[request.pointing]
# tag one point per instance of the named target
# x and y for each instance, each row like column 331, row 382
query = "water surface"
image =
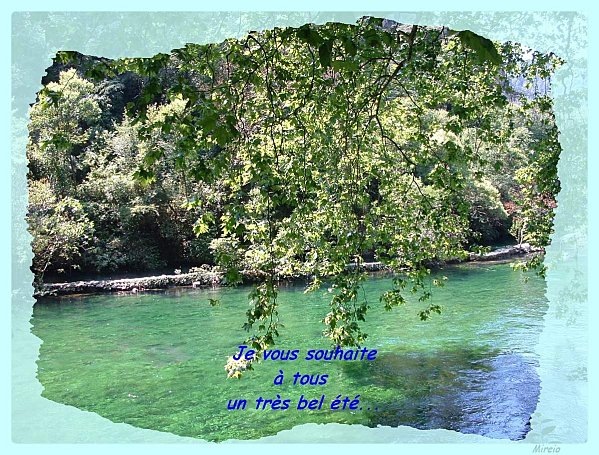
column 156, row 360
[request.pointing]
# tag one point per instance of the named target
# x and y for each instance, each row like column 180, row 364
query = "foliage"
column 302, row 151
column 488, row 217
column 60, row 228
column 59, row 128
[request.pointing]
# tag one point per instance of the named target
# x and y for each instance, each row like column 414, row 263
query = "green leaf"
column 144, row 176
column 373, row 38
column 345, row 65
column 306, row 34
column 324, row 53
column 66, row 57
column 484, row 48
column 349, row 46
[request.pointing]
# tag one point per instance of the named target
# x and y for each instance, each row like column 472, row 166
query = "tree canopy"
column 307, row 151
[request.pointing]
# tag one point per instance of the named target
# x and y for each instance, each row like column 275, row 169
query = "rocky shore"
column 506, row 252
column 202, row 278
column 206, row 276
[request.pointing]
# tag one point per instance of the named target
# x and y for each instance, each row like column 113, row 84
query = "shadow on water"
column 477, row 391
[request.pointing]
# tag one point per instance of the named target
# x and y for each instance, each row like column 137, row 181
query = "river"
column 156, row 360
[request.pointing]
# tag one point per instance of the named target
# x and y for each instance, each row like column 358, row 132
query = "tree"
column 326, row 143
column 59, row 129
column 59, row 227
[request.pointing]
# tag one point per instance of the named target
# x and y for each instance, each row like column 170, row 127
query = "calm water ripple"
column 156, row 360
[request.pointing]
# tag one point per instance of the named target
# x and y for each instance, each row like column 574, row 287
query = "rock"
column 203, row 278
column 507, row 252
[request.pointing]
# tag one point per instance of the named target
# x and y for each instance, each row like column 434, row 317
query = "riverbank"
column 212, row 277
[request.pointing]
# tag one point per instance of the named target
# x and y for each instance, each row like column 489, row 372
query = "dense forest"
column 294, row 152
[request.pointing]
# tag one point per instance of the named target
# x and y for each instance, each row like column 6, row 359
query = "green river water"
column 156, row 360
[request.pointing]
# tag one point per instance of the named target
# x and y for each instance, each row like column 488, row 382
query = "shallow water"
column 156, row 360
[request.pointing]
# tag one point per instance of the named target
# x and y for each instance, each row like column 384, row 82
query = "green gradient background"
column 561, row 416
